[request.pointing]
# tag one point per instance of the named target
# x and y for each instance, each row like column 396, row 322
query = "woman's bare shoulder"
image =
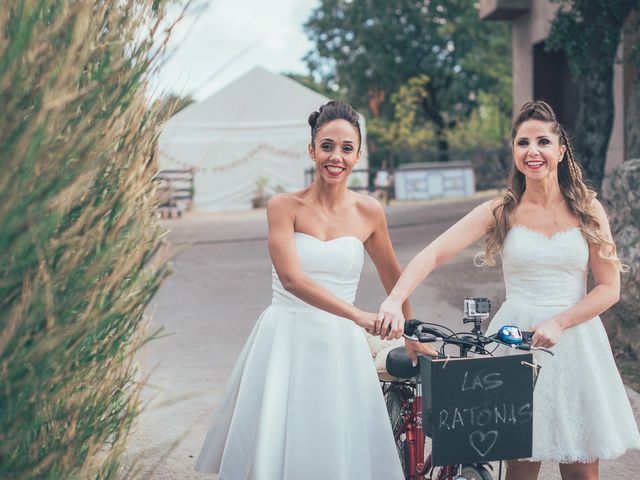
column 487, row 207
column 282, row 205
column 287, row 199
column 484, row 213
column 597, row 208
column 367, row 205
column 279, row 200
column 495, row 202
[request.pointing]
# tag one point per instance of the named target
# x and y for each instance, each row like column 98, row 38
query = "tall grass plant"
column 78, row 238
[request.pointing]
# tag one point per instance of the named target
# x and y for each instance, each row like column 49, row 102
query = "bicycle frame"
column 411, row 412
column 415, row 465
column 418, row 466
column 415, row 434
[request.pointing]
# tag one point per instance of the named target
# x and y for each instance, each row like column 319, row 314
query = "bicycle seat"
column 399, row 364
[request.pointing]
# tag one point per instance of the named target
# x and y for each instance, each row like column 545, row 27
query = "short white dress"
column 303, row 400
column 581, row 409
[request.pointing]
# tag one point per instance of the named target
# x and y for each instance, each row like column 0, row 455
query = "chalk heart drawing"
column 483, row 442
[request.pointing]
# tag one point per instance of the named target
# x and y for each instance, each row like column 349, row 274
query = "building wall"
column 532, row 28
column 527, row 30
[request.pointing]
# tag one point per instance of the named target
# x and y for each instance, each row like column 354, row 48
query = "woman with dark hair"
column 549, row 229
column 304, row 401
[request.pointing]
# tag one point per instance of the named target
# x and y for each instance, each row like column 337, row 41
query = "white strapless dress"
column 303, row 400
column 581, row 409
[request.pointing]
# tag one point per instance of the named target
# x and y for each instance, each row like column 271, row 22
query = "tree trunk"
column 443, row 146
column 432, row 112
column 376, row 99
column 594, row 124
column 441, row 138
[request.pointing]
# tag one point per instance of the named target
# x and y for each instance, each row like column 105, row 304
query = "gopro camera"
column 476, row 308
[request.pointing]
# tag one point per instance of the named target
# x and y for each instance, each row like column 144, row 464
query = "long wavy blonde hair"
column 578, row 196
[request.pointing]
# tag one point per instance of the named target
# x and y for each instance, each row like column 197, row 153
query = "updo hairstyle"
column 330, row 111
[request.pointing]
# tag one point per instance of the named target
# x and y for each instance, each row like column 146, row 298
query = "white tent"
column 252, row 131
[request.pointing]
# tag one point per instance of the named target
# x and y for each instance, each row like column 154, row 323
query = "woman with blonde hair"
column 549, row 229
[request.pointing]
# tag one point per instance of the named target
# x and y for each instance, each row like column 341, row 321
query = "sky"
column 221, row 40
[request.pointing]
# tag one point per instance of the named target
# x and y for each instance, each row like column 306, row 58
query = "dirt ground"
column 221, row 282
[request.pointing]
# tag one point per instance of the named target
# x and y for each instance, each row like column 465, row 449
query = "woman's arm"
column 471, row 228
column 604, row 294
column 285, row 260
column 381, row 251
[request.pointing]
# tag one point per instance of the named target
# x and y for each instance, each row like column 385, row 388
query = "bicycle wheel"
column 476, row 472
column 394, row 399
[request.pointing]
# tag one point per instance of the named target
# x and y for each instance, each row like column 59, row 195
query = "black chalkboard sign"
column 478, row 409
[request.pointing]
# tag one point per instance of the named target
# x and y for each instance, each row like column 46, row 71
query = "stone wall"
column 632, row 88
column 621, row 198
column 632, row 120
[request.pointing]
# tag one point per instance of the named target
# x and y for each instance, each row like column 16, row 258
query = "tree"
column 405, row 134
column 589, row 32
column 371, row 48
column 322, row 87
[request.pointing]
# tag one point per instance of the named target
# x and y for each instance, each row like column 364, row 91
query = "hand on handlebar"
column 390, row 320
column 416, row 348
column 546, row 334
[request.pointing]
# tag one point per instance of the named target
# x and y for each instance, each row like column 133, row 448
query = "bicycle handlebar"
column 424, row 332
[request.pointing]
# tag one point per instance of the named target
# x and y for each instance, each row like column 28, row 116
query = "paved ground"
column 220, row 284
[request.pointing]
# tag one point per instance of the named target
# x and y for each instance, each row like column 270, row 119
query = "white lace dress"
column 303, row 401
column 581, row 409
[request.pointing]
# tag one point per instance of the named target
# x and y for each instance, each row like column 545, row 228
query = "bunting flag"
column 260, row 148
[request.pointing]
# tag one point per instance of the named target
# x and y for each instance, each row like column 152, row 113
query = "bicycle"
column 404, row 396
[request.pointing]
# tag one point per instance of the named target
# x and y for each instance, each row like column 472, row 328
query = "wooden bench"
column 174, row 191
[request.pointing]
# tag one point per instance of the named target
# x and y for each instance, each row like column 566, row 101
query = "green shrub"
column 78, row 238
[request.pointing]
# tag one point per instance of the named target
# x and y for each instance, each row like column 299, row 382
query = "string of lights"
column 260, row 148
